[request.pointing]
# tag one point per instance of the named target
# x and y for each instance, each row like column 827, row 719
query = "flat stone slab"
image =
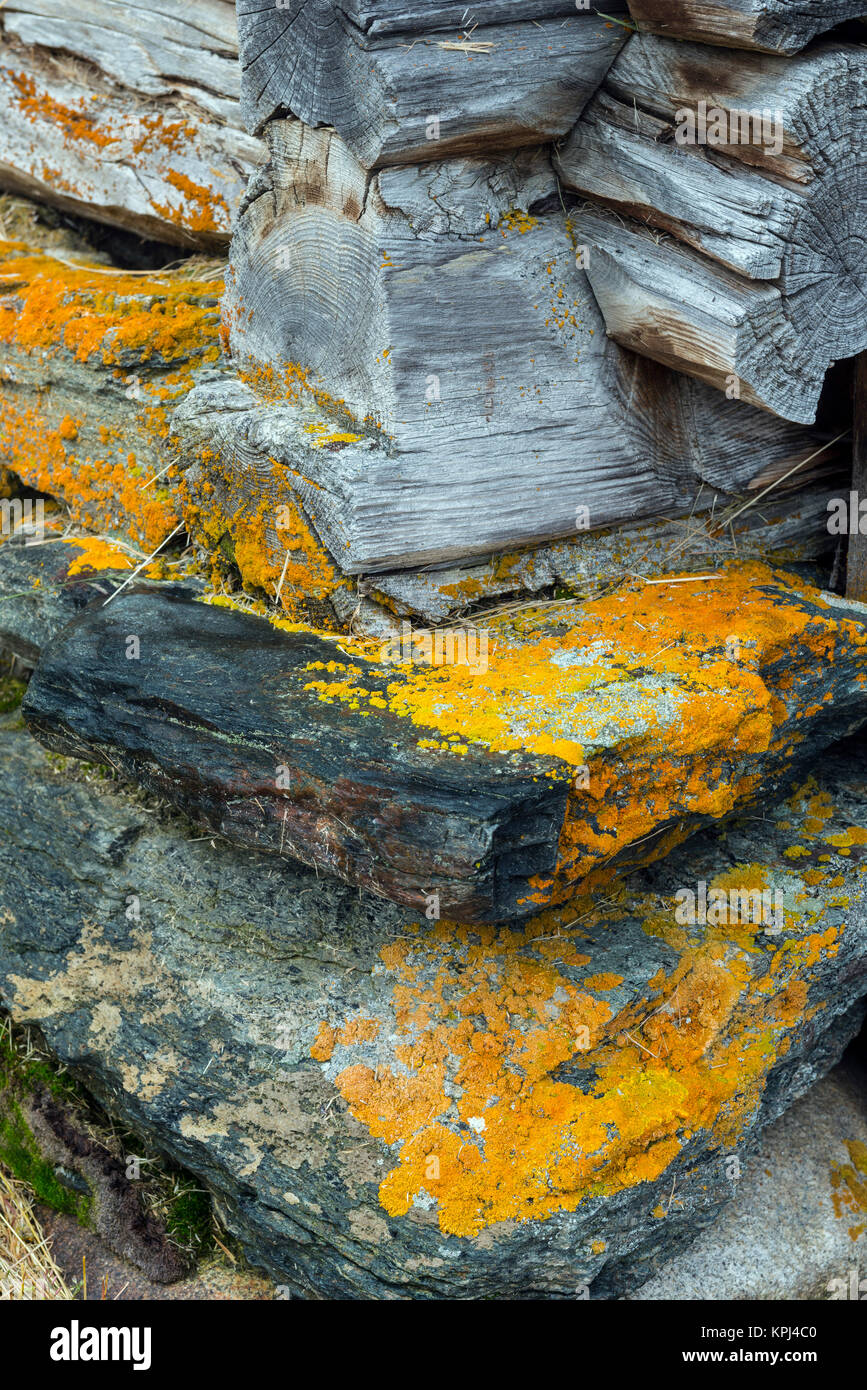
column 391, row 1108
column 484, row 773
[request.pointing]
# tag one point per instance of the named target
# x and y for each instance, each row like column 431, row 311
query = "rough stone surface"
column 797, row 1227
column 38, row 596
column 307, row 1051
column 499, row 777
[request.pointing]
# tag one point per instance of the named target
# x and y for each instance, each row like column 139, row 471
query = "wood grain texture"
column 129, row 116
column 152, row 47
column 772, row 26
column 787, row 531
column 737, row 262
column 396, row 94
column 461, row 397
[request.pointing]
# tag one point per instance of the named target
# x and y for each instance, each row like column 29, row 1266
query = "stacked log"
column 404, row 83
column 519, row 322
column 474, row 334
column 771, row 26
column 128, row 115
column 734, row 248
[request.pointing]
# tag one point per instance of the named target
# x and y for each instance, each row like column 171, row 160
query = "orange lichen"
column 50, row 307
column 635, row 690
column 486, row 1020
column 99, row 128
column 97, row 554
column 324, row 1044
column 75, row 123
column 272, row 541
column 202, row 209
column 166, row 326
column 849, row 1188
column 607, row 980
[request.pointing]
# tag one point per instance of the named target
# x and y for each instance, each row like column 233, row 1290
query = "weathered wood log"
column 743, row 260
column 255, row 458
column 773, row 26
column 114, row 399
column 485, row 773
column 129, row 115
column 404, row 82
column 791, row 531
column 424, row 362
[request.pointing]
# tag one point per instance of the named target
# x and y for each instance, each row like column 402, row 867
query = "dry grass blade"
column 195, row 268
column 466, row 46
column 728, row 519
column 27, row 1270
column 138, row 569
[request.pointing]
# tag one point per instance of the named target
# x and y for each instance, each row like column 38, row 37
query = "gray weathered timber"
column 396, row 91
column 774, row 26
column 261, row 454
column 475, row 404
column 150, row 47
column 743, row 259
column 128, row 116
column 199, row 1037
column 790, row 531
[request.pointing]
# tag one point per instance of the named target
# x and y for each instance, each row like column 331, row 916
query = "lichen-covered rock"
column 390, row 1108
column 43, row 587
column 94, row 361
column 497, row 769
column 797, row 1225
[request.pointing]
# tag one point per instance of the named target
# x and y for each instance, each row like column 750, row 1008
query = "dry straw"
column 27, row 1270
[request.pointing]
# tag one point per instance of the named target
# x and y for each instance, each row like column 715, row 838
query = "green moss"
column 19, row 1153
column 188, row 1220
column 20, row 1075
column 11, row 693
column 27, row 1071
column 76, row 770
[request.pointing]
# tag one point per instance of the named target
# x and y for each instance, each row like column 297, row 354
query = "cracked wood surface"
column 424, row 361
column 773, row 26
column 397, row 86
column 127, row 114
column 740, row 261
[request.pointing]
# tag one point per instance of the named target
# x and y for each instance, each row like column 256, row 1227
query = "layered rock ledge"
column 400, row 1109
column 493, row 770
